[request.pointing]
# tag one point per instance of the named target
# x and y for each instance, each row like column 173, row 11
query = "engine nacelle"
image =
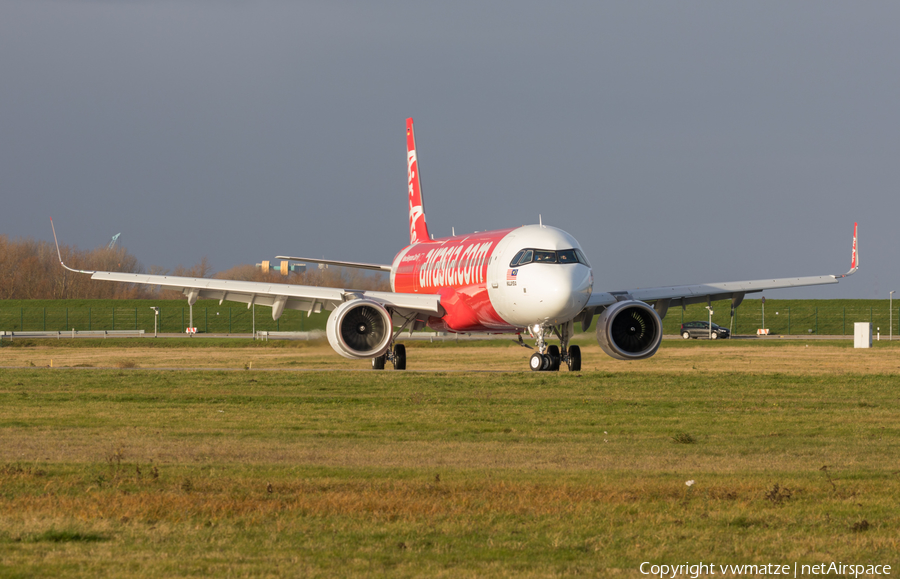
column 629, row 330
column 359, row 328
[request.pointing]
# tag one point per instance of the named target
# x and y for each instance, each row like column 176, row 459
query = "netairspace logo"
column 701, row 569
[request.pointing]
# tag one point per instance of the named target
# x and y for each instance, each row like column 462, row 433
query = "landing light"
column 537, row 328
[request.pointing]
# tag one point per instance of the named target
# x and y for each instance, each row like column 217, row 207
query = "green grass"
column 162, row 473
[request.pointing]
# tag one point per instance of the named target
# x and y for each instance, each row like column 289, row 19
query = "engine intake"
column 359, row 328
column 629, row 330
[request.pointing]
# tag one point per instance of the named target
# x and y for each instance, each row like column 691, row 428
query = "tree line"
column 30, row 269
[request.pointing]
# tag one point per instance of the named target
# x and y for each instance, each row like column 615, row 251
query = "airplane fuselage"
column 498, row 281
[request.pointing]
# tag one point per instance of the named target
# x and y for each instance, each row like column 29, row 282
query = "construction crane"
column 112, row 242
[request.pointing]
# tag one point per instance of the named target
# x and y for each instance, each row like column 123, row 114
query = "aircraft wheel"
column 686, row 336
column 399, row 357
column 553, row 352
column 546, row 362
column 574, row 359
column 536, row 362
column 378, row 362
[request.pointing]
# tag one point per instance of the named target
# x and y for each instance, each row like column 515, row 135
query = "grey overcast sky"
column 680, row 142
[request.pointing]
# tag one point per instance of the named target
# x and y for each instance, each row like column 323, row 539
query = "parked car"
column 701, row 330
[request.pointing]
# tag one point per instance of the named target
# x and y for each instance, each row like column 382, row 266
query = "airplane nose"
column 564, row 293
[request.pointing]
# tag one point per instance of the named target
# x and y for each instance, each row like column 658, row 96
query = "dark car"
column 701, row 330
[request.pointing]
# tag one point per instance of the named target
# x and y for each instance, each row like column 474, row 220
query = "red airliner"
column 533, row 280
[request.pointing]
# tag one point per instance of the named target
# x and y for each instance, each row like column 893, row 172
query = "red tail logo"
column 418, row 229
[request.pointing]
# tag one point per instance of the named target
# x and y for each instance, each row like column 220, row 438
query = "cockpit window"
column 527, row 256
column 515, row 260
column 523, row 257
column 582, row 258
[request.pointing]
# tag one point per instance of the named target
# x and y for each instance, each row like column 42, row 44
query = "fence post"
column 114, row 318
column 206, row 330
column 844, row 330
column 789, row 321
column 45, row 319
column 817, row 320
column 89, row 318
column 229, row 320
column 67, row 319
column 135, row 318
column 22, row 319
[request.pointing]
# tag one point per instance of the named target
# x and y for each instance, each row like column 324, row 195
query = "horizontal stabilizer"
column 354, row 264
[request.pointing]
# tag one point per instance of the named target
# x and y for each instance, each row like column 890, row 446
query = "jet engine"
column 629, row 330
column 359, row 328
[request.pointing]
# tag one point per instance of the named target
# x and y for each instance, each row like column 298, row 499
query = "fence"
column 786, row 318
column 173, row 319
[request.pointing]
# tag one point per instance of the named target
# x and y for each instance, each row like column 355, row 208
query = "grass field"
column 111, row 465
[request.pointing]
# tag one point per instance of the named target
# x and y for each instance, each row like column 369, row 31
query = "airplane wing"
column 311, row 299
column 277, row 296
column 684, row 295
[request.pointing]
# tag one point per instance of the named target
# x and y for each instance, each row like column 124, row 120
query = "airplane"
column 533, row 280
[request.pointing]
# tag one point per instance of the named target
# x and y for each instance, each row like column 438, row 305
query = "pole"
column 891, row 311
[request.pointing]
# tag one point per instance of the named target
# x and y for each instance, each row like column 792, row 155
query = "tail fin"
column 418, row 229
column 854, row 259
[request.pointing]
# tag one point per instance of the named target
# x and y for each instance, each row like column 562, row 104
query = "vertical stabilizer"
column 418, row 229
column 854, row 258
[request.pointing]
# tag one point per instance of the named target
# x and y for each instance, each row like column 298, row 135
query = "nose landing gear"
column 551, row 357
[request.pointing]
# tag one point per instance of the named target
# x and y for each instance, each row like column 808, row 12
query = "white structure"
column 862, row 335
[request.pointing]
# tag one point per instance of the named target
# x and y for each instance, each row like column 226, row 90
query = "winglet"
column 418, row 229
column 854, row 259
column 59, row 254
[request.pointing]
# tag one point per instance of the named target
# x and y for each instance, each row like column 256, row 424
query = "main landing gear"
column 396, row 356
column 549, row 358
